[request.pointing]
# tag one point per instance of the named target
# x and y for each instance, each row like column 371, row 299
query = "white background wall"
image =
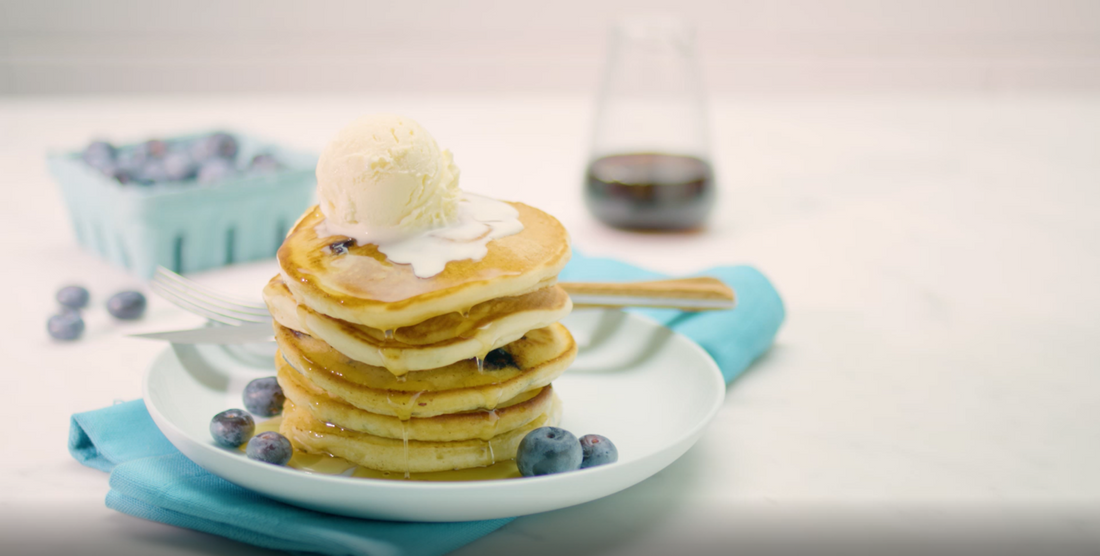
column 74, row 46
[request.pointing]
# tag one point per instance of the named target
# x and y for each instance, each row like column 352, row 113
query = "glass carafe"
column 649, row 161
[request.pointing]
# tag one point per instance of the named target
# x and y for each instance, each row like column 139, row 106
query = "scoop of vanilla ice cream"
column 384, row 176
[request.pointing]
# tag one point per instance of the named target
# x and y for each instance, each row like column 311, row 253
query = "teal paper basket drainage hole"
column 187, row 226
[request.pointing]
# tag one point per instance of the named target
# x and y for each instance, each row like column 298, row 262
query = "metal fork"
column 686, row 294
column 205, row 302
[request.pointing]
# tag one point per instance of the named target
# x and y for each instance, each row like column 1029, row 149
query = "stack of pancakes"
column 405, row 374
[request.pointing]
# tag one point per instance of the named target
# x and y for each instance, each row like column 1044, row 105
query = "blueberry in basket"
column 269, row 447
column 547, row 450
column 232, row 427
column 207, row 159
column 179, row 166
column 154, row 148
column 264, row 163
column 99, row 154
column 264, row 397
column 215, row 145
column 216, row 169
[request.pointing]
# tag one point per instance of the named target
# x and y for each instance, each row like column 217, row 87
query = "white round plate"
column 650, row 390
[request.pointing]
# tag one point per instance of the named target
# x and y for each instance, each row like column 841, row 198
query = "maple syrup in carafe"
column 650, row 191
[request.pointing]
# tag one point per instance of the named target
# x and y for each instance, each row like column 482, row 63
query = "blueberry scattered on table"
column 597, row 450
column 232, row 427
column 128, row 305
column 264, row 397
column 74, row 297
column 66, row 325
column 269, row 447
column 547, row 450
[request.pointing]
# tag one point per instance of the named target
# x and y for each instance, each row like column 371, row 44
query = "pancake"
column 405, row 404
column 499, row 322
column 445, row 428
column 529, row 311
column 282, row 305
column 359, row 284
column 503, row 364
column 310, row 435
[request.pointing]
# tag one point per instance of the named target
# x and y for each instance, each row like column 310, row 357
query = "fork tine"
column 239, row 304
column 179, row 293
column 191, row 307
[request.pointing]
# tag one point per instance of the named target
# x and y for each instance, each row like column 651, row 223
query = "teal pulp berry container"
column 187, row 226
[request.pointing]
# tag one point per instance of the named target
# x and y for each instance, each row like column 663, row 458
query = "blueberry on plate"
column 99, row 154
column 264, row 397
column 128, row 305
column 597, row 450
column 269, row 447
column 547, row 450
column 215, row 145
column 232, row 427
column 215, row 170
column 65, row 326
column 74, row 297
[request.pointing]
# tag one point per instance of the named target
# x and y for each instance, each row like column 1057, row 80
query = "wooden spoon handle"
column 686, row 294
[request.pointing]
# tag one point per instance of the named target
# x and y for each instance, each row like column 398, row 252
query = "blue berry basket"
column 187, row 226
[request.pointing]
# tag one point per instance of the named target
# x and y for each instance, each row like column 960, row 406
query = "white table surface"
column 936, row 383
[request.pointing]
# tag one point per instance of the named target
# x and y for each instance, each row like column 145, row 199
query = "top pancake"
column 362, row 286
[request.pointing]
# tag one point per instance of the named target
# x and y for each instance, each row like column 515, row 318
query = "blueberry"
column 232, row 427
column 75, row 297
column 66, row 326
column 179, row 166
column 216, row 169
column 152, row 171
column 131, row 159
column 264, row 163
column 547, row 450
column 498, row 359
column 269, row 447
column 99, row 154
column 127, row 305
column 598, row 450
column 117, row 173
column 215, row 145
column 341, row 247
column 264, row 397
column 154, row 148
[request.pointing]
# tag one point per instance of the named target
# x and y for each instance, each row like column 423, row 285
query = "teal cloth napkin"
column 150, row 479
